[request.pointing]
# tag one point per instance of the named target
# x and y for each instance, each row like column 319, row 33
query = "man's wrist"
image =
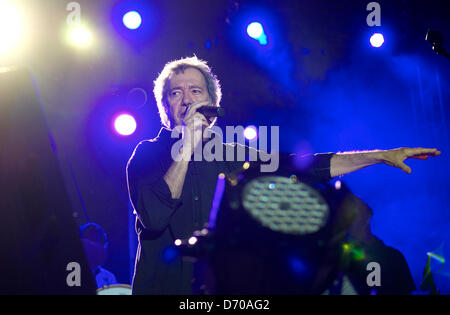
column 379, row 156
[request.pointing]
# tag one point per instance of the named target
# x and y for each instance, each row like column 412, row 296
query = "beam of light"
column 132, row 20
column 11, row 28
column 80, row 36
column 377, row 40
column 125, row 124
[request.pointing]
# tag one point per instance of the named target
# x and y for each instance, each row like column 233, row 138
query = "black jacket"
column 160, row 219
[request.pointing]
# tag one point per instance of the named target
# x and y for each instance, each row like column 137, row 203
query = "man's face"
column 185, row 88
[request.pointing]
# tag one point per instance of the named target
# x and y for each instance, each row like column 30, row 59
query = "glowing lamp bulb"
column 10, row 28
column 255, row 30
column 192, row 240
column 338, row 184
column 377, row 40
column 132, row 20
column 80, row 36
column 125, row 124
column 250, row 133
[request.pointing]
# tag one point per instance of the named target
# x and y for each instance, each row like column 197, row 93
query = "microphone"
column 211, row 111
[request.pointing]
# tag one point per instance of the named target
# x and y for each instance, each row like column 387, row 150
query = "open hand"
column 395, row 157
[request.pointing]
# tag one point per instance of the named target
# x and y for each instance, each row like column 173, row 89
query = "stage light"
column 132, row 20
column 11, row 28
column 256, row 31
column 177, row 242
column 80, row 36
column 377, row 40
column 250, row 133
column 125, row 124
column 192, row 240
column 338, row 184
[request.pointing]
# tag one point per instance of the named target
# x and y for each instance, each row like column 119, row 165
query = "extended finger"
column 422, row 151
column 424, row 154
column 420, row 157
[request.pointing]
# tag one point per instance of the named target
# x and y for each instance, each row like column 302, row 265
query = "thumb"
column 405, row 168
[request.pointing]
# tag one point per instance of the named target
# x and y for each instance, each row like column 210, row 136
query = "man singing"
column 172, row 194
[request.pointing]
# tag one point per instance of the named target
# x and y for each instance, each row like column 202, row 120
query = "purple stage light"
column 250, row 133
column 132, row 20
column 125, row 124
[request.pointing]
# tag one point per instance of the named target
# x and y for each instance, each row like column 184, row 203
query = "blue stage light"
column 377, row 40
column 256, row 31
column 132, row 20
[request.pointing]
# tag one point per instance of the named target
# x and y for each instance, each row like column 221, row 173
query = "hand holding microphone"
column 195, row 121
column 211, row 111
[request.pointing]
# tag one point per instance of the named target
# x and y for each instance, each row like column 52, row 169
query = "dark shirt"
column 161, row 220
column 395, row 275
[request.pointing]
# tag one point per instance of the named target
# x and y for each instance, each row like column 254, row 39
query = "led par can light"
column 271, row 233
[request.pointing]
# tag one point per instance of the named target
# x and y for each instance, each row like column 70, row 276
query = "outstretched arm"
column 347, row 162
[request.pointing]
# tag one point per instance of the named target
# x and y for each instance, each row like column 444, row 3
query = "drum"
column 115, row 289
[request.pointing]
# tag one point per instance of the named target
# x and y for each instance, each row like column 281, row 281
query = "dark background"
column 318, row 79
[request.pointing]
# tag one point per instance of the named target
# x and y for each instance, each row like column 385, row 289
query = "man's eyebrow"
column 175, row 88
column 190, row 86
column 195, row 86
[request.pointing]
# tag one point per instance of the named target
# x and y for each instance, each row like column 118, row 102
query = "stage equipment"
column 39, row 236
column 428, row 284
column 271, row 233
column 115, row 289
column 436, row 40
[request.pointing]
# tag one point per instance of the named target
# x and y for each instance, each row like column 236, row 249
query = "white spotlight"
column 80, row 36
column 11, row 28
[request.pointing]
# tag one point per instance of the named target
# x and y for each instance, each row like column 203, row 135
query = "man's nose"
column 187, row 99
